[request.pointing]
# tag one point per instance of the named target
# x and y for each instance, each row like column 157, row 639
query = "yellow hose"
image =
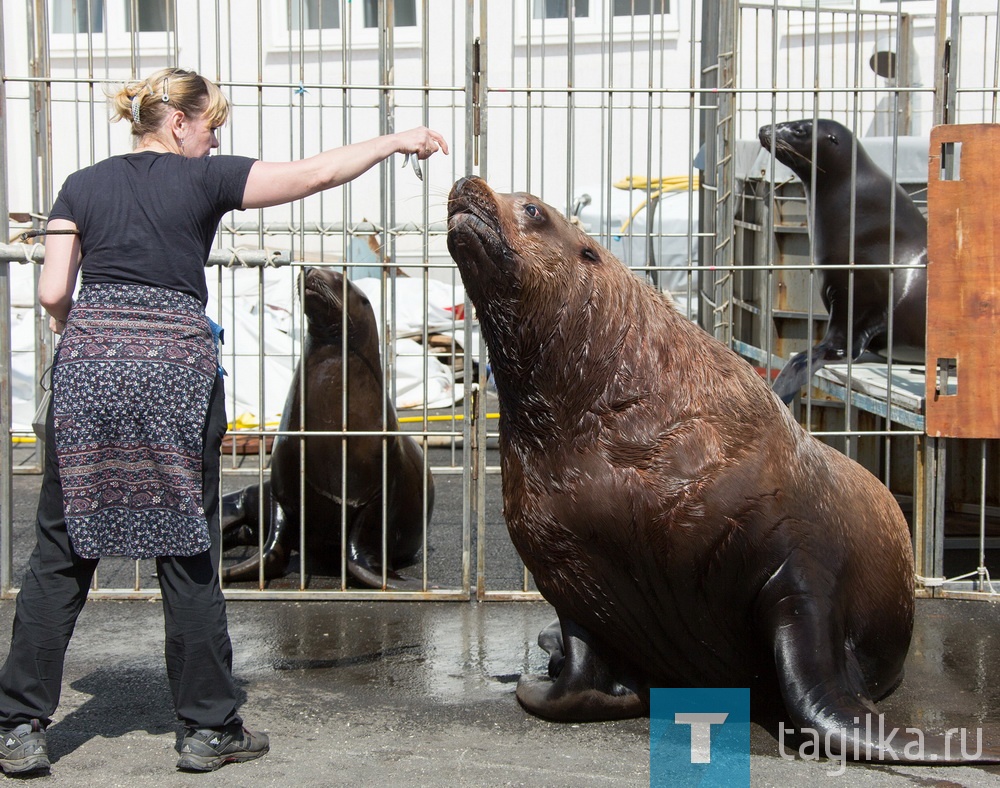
column 670, row 183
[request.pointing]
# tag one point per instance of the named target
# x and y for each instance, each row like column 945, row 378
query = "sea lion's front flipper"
column 829, row 350
column 826, row 697
column 371, row 576
column 821, row 683
column 795, row 374
column 587, row 689
column 364, row 553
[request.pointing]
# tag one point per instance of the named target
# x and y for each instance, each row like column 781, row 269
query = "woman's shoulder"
column 109, row 164
column 229, row 161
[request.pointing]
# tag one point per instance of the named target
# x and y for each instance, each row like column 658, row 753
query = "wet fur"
column 687, row 531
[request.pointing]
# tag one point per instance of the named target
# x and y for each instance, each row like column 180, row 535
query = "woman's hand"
column 57, row 326
column 422, row 141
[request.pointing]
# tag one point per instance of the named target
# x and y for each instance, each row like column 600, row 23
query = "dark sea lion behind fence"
column 327, row 371
column 845, row 189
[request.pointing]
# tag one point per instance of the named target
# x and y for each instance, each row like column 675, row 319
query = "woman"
column 138, row 414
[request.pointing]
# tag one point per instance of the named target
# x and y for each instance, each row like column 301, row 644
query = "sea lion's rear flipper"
column 276, row 550
column 550, row 639
column 241, row 516
column 587, row 689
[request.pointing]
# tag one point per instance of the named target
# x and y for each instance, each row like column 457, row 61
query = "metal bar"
column 277, row 595
column 474, row 426
column 6, row 371
column 226, row 258
column 982, row 576
column 535, row 107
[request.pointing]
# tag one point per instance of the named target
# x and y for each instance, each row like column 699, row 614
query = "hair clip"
column 135, row 109
column 166, row 95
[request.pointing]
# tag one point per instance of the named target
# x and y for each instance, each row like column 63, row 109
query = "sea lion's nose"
column 460, row 185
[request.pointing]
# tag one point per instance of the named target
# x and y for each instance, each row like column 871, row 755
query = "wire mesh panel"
column 591, row 107
column 302, row 76
column 871, row 70
column 640, row 120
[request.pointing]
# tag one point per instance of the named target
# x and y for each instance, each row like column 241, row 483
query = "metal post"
column 474, row 428
column 710, row 44
column 6, row 372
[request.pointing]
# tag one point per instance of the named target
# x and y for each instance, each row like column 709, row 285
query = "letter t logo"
column 701, row 732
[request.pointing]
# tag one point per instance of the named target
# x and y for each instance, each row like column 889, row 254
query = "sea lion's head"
column 513, row 242
column 793, row 146
column 522, row 261
column 325, row 292
column 560, row 314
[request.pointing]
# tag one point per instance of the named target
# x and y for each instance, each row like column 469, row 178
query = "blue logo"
column 699, row 737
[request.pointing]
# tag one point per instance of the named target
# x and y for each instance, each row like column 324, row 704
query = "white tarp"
column 255, row 386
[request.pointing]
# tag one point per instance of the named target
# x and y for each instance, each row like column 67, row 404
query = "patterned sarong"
column 131, row 383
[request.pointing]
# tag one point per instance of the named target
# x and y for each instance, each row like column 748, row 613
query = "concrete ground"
column 422, row 694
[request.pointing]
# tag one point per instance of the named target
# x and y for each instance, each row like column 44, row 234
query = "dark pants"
column 198, row 652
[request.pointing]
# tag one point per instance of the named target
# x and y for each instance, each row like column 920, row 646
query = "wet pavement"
column 422, row 693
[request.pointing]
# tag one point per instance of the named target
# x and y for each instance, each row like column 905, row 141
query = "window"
column 582, row 11
column 641, row 7
column 559, row 9
column 319, row 14
column 88, row 16
column 405, row 13
column 593, row 21
column 155, row 16
column 81, row 16
column 309, row 23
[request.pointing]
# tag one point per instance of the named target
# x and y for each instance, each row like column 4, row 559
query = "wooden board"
column 963, row 283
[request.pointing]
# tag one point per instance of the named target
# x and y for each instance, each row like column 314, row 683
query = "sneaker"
column 23, row 749
column 206, row 749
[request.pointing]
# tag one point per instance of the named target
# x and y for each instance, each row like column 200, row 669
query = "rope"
column 936, row 582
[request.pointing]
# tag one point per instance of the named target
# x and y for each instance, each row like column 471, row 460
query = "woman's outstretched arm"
column 274, row 183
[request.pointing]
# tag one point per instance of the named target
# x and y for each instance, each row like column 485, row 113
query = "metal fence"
column 638, row 118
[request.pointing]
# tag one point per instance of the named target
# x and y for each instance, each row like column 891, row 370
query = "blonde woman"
column 138, row 413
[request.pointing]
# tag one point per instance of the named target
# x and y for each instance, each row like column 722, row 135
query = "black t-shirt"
column 150, row 218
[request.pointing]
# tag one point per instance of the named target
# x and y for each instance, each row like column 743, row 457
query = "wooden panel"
column 963, row 283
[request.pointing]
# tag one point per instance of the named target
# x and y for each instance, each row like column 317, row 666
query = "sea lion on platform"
column 865, row 324
column 688, row 532
column 326, row 372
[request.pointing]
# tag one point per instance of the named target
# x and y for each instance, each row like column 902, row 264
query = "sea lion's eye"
column 590, row 255
column 832, row 138
column 532, row 210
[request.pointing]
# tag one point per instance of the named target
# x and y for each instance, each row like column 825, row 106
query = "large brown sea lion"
column 688, row 532
column 328, row 295
column 836, row 190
